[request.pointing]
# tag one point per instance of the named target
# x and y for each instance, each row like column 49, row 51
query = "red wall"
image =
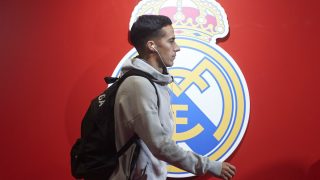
column 54, row 55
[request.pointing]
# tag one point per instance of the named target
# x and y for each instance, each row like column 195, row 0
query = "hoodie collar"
column 137, row 63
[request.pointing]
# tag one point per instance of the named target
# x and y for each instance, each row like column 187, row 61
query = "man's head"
column 153, row 35
column 145, row 28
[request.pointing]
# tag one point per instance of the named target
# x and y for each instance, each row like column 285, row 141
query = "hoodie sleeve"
column 138, row 105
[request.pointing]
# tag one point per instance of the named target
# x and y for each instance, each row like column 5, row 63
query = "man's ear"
column 151, row 46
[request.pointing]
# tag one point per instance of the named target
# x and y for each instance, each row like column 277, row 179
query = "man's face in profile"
column 166, row 45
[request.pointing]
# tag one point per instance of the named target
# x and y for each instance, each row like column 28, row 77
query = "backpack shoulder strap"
column 135, row 72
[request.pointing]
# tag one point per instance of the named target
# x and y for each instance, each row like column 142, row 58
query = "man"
column 137, row 110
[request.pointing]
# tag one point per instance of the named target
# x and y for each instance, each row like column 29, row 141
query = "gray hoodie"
column 136, row 111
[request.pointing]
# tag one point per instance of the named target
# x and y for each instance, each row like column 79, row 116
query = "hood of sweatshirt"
column 137, row 63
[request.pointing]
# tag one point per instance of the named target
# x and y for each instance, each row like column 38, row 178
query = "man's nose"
column 177, row 48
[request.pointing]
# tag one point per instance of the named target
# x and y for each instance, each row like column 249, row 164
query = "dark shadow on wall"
column 221, row 40
column 279, row 171
column 314, row 171
column 287, row 171
column 282, row 170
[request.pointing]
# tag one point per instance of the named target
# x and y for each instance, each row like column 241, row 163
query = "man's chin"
column 170, row 65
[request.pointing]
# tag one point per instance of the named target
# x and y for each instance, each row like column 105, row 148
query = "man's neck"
column 152, row 61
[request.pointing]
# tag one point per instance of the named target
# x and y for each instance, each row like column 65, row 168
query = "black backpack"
column 94, row 155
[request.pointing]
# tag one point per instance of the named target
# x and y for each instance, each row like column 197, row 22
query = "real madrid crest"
column 210, row 98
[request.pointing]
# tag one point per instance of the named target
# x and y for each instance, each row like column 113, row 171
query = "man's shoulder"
column 136, row 88
column 136, row 80
column 136, row 83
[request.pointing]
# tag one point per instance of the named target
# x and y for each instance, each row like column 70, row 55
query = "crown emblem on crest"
column 203, row 20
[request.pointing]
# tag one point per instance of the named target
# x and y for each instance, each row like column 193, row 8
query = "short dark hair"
column 146, row 27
